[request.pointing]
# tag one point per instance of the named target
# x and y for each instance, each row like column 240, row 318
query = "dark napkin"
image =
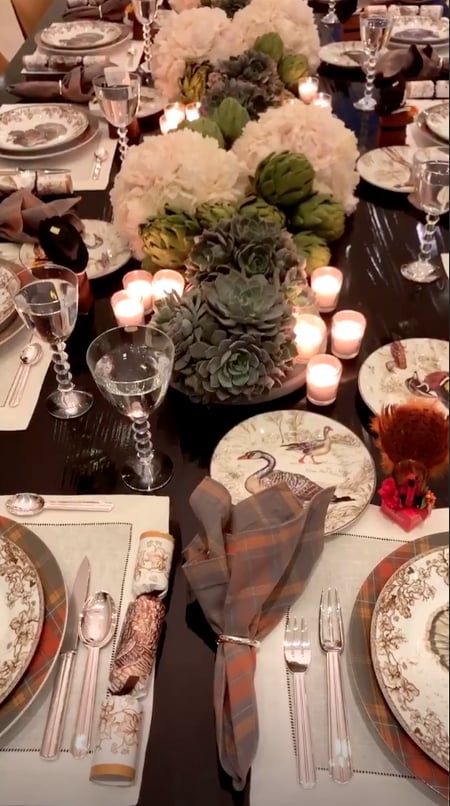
column 76, row 86
column 60, row 238
column 21, row 213
column 110, row 10
column 246, row 567
column 396, row 67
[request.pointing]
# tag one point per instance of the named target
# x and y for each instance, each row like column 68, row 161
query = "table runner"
column 111, row 543
column 18, row 419
column 346, row 562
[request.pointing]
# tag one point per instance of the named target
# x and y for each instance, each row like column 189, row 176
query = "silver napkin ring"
column 234, row 639
column 100, row 12
column 60, row 85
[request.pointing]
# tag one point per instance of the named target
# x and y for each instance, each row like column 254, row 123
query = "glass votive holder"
column 127, row 310
column 326, row 284
column 166, row 282
column 175, row 114
column 138, row 284
column 323, row 376
column 310, row 336
column 323, row 100
column 307, row 89
column 347, row 332
column 164, row 125
column 193, row 111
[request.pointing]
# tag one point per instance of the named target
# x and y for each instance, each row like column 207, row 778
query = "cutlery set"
column 29, row 357
column 298, row 655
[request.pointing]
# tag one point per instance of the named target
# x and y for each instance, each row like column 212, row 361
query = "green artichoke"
column 206, row 127
column 251, row 304
column 292, row 68
column 284, row 179
column 209, row 215
column 255, row 207
column 322, row 215
column 168, row 240
column 231, row 118
column 194, row 81
column 314, row 249
column 271, row 45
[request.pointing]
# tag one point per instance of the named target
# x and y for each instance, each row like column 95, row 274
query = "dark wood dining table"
column 84, row 456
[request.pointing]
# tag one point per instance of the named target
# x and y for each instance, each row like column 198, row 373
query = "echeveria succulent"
column 247, row 304
column 251, row 79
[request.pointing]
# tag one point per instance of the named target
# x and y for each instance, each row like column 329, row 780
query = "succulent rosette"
column 251, row 79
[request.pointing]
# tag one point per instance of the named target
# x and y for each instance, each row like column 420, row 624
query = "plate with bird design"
column 411, row 367
column 306, row 451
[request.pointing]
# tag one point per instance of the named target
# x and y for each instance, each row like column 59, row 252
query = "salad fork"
column 331, row 634
column 297, row 654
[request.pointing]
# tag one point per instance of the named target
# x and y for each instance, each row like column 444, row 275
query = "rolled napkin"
column 118, row 736
column 246, row 567
column 21, row 213
column 110, row 10
column 43, row 183
column 138, row 644
column 432, row 12
column 153, row 564
column 75, row 87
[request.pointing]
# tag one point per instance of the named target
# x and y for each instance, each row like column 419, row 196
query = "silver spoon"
column 25, row 504
column 97, row 624
column 30, row 355
column 100, row 157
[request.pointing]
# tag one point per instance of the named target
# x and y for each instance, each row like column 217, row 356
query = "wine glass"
column 145, row 12
column 427, row 154
column 132, row 367
column 375, row 34
column 119, row 104
column 49, row 304
column 432, row 193
column 331, row 18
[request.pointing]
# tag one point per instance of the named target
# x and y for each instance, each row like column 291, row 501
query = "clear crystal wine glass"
column 426, row 154
column 132, row 367
column 432, row 194
column 375, row 35
column 119, row 104
column 331, row 18
column 49, row 305
column 145, row 12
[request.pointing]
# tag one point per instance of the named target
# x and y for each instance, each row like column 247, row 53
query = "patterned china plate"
column 308, row 452
column 418, row 30
column 437, row 120
column 9, row 286
column 81, row 34
column 126, row 34
column 21, row 614
column 388, row 168
column 56, row 150
column 40, row 126
column 343, row 54
column 410, row 367
column 410, row 651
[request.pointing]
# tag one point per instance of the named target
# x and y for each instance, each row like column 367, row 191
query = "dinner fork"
column 331, row 634
column 297, row 654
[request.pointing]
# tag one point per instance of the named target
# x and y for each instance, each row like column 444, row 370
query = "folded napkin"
column 396, row 68
column 246, row 567
column 21, row 213
column 75, row 87
column 110, row 10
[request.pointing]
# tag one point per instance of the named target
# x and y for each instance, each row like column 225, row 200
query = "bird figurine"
column 434, row 385
column 413, row 441
column 313, row 448
column 269, row 475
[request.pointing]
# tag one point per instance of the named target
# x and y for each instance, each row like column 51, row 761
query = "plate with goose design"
column 306, row 451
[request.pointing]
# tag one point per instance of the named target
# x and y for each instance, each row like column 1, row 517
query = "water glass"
column 422, row 155
column 432, row 195
column 132, row 367
column 375, row 35
column 119, row 104
column 145, row 12
column 49, row 305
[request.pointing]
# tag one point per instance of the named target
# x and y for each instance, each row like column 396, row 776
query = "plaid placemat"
column 375, row 706
column 55, row 598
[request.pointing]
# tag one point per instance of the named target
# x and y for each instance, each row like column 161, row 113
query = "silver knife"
column 51, row 742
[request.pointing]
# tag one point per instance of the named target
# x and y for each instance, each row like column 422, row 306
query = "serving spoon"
column 23, row 505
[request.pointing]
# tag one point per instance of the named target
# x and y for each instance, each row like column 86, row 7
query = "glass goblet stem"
column 370, row 78
column 123, row 142
column 147, row 30
column 62, row 368
column 143, row 441
column 428, row 238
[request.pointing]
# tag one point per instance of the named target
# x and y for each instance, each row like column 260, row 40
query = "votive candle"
column 128, row 310
column 326, row 284
column 164, row 125
column 308, row 89
column 310, row 335
column 347, row 331
column 138, row 284
column 323, row 100
column 165, row 282
column 175, row 114
column 323, row 376
column 193, row 111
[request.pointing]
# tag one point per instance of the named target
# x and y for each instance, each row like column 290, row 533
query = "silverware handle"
column 340, row 761
column 305, row 758
column 81, row 742
column 17, row 395
column 79, row 506
column 51, row 742
column 14, row 386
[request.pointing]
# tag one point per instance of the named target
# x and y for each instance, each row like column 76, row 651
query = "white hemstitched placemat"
column 111, row 542
column 18, row 418
column 346, row 562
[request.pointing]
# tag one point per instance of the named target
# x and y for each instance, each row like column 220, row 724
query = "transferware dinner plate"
column 39, row 127
column 388, row 168
column 437, row 120
column 410, row 650
column 343, row 54
column 21, row 614
column 418, row 30
column 108, row 252
column 9, row 286
column 126, row 34
column 82, row 34
column 398, row 370
column 57, row 150
column 306, row 451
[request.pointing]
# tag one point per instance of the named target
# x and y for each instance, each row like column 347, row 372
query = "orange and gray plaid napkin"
column 246, row 567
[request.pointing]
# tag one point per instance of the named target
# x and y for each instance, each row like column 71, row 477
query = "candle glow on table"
column 308, row 89
column 138, row 284
column 323, row 376
column 165, row 282
column 174, row 115
column 323, row 100
column 128, row 310
column 326, row 284
column 193, row 111
column 164, row 125
column 347, row 331
column 310, row 335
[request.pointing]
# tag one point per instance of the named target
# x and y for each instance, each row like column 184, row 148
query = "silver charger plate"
column 88, row 135
column 125, row 35
column 418, row 30
column 33, row 128
column 9, row 286
column 88, row 34
column 306, row 451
